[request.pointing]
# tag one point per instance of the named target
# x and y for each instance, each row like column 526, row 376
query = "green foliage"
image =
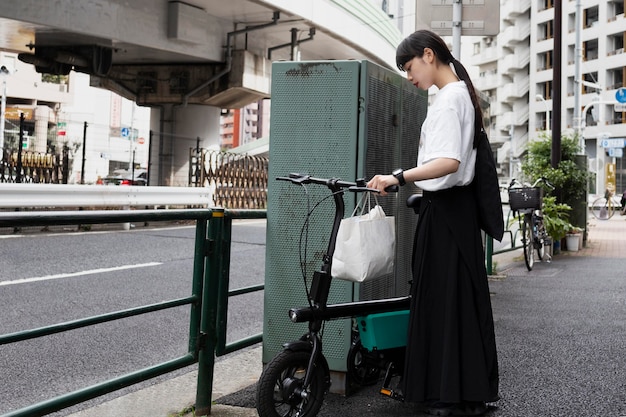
column 53, row 78
column 556, row 218
column 568, row 177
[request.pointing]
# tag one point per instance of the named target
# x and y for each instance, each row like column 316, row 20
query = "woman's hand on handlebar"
column 382, row 182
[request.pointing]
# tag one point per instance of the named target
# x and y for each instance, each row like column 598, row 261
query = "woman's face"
column 420, row 70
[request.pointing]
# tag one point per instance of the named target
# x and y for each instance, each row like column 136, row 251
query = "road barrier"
column 208, row 300
column 16, row 195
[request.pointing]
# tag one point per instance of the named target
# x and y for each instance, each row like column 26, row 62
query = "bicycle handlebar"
column 542, row 179
column 358, row 186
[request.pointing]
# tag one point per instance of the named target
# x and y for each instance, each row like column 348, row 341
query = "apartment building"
column 516, row 72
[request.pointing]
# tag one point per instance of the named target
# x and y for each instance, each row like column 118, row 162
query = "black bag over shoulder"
column 487, row 190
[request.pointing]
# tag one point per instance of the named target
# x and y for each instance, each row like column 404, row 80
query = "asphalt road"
column 48, row 278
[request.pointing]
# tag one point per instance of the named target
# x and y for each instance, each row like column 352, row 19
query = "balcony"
column 515, row 61
column 486, row 55
column 516, row 89
column 512, row 9
column 487, row 81
column 515, row 34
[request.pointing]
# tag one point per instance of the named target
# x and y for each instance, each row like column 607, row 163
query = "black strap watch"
column 399, row 174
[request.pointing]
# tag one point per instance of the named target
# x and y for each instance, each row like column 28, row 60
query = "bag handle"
column 361, row 204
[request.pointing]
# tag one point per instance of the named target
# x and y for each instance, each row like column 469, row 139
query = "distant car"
column 123, row 177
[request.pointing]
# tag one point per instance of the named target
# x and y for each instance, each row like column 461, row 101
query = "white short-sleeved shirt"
column 448, row 132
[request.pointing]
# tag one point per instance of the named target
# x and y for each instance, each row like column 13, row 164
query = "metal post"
column 555, row 157
column 457, row 17
column 511, row 132
column 18, row 177
column 294, row 43
column 577, row 63
column 2, row 112
column 82, row 166
column 489, row 254
column 208, row 326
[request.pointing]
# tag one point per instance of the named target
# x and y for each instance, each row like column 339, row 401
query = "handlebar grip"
column 392, row 189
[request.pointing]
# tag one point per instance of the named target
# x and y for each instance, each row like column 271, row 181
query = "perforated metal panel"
column 313, row 130
column 344, row 119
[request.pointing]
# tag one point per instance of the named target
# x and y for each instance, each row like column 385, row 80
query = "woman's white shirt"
column 448, row 132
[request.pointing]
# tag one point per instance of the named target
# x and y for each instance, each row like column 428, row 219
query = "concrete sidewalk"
column 561, row 342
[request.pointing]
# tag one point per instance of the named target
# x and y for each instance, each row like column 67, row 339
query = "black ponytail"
column 413, row 46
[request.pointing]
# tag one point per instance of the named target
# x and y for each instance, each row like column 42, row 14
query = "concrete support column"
column 176, row 129
column 40, row 136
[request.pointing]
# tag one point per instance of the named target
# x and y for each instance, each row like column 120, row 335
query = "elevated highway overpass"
column 189, row 59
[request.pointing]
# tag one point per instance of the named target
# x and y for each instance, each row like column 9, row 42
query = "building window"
column 590, row 17
column 615, row 43
column 615, row 78
column 591, row 77
column 544, row 60
column 546, row 30
column 545, row 89
column 545, row 4
column 615, row 9
column 590, row 50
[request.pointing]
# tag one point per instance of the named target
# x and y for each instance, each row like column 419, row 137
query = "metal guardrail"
column 15, row 195
column 489, row 252
column 208, row 300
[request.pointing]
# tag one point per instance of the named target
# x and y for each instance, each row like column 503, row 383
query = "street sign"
column 620, row 107
column 616, row 152
column 479, row 17
column 620, row 95
column 141, row 140
column 612, row 143
column 125, row 132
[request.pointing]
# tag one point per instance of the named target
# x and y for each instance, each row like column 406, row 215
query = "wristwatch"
column 399, row 174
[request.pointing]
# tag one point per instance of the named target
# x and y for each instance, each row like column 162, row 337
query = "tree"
column 568, row 206
column 569, row 178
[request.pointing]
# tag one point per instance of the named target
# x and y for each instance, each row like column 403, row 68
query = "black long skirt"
column 451, row 350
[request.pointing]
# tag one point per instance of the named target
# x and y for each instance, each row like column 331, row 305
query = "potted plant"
column 556, row 220
column 569, row 177
column 573, row 239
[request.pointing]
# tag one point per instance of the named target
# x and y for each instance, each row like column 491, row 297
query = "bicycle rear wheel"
column 602, row 209
column 527, row 242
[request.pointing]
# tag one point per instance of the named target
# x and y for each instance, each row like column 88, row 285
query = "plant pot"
column 572, row 241
column 556, row 247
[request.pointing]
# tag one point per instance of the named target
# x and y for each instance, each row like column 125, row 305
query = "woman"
column 451, row 363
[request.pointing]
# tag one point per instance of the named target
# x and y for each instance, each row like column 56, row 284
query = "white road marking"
column 76, row 274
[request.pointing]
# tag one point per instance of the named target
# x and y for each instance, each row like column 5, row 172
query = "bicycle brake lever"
column 295, row 178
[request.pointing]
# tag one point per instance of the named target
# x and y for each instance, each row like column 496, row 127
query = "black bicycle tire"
column 541, row 238
column 527, row 242
column 358, row 370
column 275, row 373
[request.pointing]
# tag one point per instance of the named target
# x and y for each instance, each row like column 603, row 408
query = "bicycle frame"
column 294, row 391
column 531, row 224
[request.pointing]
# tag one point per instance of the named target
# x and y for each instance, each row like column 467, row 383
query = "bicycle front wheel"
column 602, row 209
column 541, row 240
column 527, row 242
column 281, row 391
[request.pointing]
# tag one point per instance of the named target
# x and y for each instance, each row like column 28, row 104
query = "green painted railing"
column 208, row 300
column 512, row 234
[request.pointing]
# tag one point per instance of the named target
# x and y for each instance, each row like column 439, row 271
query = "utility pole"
column 555, row 157
column 577, row 76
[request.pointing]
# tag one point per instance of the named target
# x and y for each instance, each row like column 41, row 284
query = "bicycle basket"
column 525, row 198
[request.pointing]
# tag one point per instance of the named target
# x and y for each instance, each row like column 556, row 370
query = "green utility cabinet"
column 333, row 119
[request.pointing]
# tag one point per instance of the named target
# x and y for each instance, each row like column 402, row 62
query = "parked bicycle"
column 604, row 208
column 526, row 202
column 294, row 382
